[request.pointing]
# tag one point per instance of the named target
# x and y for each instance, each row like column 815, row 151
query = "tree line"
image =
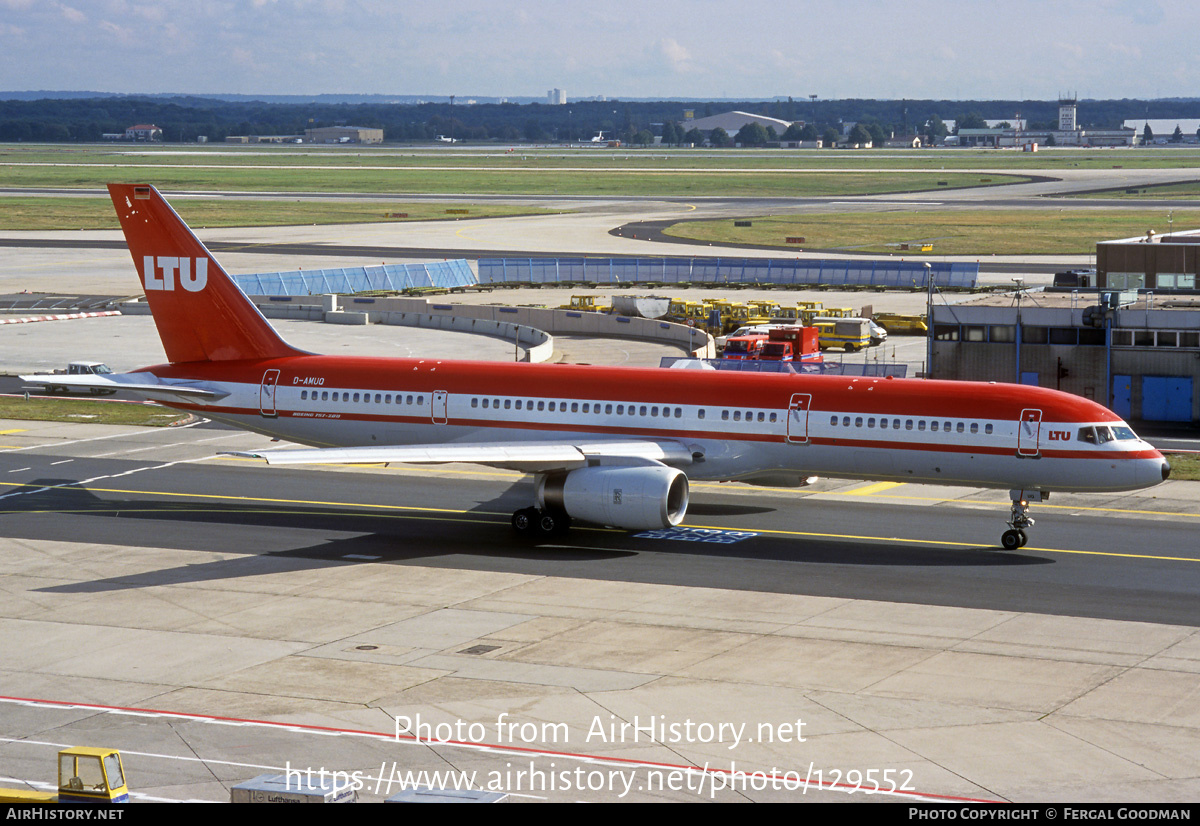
column 184, row 119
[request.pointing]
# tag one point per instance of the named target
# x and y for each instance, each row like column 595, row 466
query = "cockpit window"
column 1100, row 435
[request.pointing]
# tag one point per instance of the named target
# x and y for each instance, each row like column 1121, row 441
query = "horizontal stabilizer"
column 144, row 384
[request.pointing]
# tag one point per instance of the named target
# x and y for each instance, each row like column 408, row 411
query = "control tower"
column 1066, row 113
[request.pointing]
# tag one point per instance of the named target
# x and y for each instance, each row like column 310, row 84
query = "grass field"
column 1189, row 191
column 48, row 409
column 562, row 170
column 97, row 213
column 616, row 183
column 974, row 232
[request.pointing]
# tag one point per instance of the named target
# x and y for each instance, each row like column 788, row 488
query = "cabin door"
column 266, row 394
column 1029, row 432
column 797, row 419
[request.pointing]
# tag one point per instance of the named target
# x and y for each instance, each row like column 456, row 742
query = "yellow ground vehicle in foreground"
column 85, row 776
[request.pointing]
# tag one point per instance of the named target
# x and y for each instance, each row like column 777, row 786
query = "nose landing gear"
column 1020, row 520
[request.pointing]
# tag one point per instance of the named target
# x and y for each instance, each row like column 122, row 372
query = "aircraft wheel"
column 1011, row 540
column 1024, row 538
column 525, row 520
column 551, row 523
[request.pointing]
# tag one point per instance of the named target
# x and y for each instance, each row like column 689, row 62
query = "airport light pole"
column 929, row 321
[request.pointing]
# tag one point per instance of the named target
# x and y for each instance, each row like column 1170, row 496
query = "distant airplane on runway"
column 609, row 445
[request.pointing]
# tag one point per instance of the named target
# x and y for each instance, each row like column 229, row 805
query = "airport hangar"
column 1127, row 336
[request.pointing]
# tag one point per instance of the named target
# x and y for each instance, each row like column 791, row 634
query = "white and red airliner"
column 608, row 445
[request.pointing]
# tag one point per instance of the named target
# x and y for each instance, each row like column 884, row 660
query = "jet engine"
column 631, row 497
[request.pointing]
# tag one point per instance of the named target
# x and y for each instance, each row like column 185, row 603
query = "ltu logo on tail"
column 161, row 273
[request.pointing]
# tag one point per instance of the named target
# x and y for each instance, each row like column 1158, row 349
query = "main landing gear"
column 1020, row 519
column 533, row 522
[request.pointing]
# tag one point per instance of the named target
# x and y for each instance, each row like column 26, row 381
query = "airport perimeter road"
column 150, row 587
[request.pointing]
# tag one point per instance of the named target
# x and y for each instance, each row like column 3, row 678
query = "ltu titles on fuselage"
column 656, row 729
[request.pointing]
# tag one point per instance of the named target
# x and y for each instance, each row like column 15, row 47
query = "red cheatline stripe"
column 466, row 744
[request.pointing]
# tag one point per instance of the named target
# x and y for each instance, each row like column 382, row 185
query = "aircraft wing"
column 529, row 457
column 144, row 384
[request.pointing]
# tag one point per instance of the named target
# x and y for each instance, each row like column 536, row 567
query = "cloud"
column 72, row 14
column 677, row 57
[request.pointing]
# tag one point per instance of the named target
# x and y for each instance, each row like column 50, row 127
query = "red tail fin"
column 201, row 314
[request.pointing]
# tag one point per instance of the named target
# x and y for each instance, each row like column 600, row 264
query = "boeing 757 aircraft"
column 609, row 445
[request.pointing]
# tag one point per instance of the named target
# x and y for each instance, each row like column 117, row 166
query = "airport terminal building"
column 1130, row 340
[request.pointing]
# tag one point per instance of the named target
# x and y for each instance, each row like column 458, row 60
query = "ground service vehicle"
column 792, row 344
column 746, row 347
column 82, row 368
column 608, row 445
column 848, row 333
column 898, row 323
column 85, row 776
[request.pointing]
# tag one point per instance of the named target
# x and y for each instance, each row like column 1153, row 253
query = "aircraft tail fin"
column 200, row 312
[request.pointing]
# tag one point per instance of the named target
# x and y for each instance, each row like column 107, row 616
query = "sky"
column 745, row 49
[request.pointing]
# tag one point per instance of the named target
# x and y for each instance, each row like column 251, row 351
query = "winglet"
column 201, row 314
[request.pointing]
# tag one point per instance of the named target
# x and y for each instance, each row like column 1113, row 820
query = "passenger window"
column 586, row 407
column 845, row 421
column 775, row 418
column 575, row 407
column 974, row 427
column 832, row 420
column 552, row 406
column 643, row 409
column 987, row 428
column 542, row 406
column 871, row 422
column 960, row 427
column 737, row 415
column 620, row 410
column 678, row 412
column 858, row 421
column 388, row 398
column 608, row 408
column 325, row 395
column 933, row 426
column 725, row 415
column 921, row 424
column 378, row 398
column 303, row 395
column 420, row 401
column 474, row 402
column 895, row 424
column 946, row 427
column 356, row 397
column 508, row 404
column 654, row 411
column 908, row 424
column 485, row 404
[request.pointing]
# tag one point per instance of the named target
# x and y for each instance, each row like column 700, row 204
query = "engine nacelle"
column 636, row 498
